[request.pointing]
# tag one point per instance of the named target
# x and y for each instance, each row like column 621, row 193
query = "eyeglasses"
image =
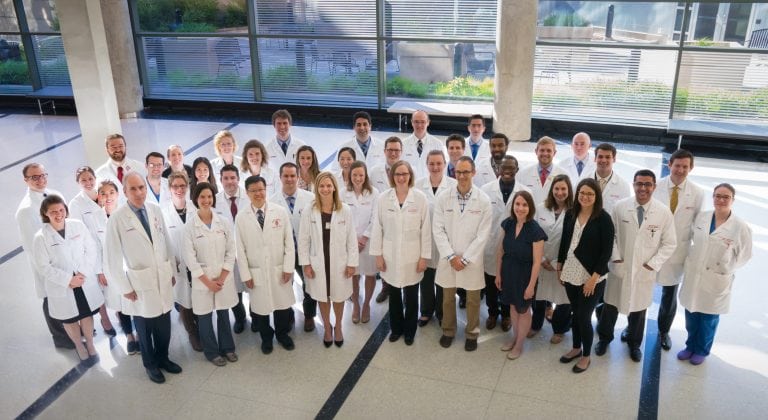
column 402, row 173
column 643, row 184
column 393, row 150
column 36, row 178
column 722, row 197
column 586, row 194
column 155, row 165
column 463, row 173
column 178, row 186
column 260, row 190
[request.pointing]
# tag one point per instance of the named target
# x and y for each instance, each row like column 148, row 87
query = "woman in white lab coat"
column 175, row 215
column 85, row 207
column 346, row 157
column 722, row 243
column 209, row 253
column 328, row 253
column 203, row 172
column 306, row 160
column 401, row 241
column 65, row 256
column 361, row 198
column 225, row 146
column 550, row 215
column 254, row 162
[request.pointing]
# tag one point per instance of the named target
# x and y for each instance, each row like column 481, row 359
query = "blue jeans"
column 225, row 344
column 701, row 331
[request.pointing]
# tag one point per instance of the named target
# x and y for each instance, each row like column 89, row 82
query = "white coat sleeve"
column 242, row 258
column 616, row 253
column 426, row 231
column 476, row 248
column 289, row 255
column 305, row 235
column 91, row 253
column 113, row 250
column 374, row 204
column 744, row 247
column 188, row 253
column 27, row 220
column 667, row 246
column 376, row 231
column 438, row 228
column 353, row 255
column 230, row 255
column 44, row 266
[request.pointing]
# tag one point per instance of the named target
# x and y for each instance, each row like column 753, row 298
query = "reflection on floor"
column 422, row 381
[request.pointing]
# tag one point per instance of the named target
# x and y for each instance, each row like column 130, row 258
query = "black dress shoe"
column 446, row 341
column 111, row 332
column 470, row 345
column 408, row 341
column 624, row 335
column 394, row 337
column 577, row 369
column 254, row 328
column 309, row 324
column 462, row 302
column 382, row 296
column 327, row 344
column 424, row 322
column 238, row 327
column 566, row 359
column 601, row 347
column 170, row 367
column 266, row 347
column 286, row 342
column 666, row 342
column 338, row 343
column 635, row 354
column 155, row 375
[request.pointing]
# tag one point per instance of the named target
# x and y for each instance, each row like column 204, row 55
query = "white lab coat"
column 136, row 264
column 269, row 175
column 425, row 186
column 209, row 251
column 303, row 198
column 529, row 176
column 343, row 251
column 549, row 287
column 483, row 173
column 57, row 258
column 630, row 285
column 711, row 263
column 379, row 178
column 411, row 154
column 462, row 233
column 182, row 290
column 223, row 210
column 402, row 235
column 165, row 194
column 264, row 255
column 218, row 163
column 108, row 170
column 362, row 208
column 689, row 202
column 501, row 211
column 337, row 173
column 569, row 167
column 375, row 153
column 615, row 190
column 483, row 153
column 276, row 155
column 29, row 222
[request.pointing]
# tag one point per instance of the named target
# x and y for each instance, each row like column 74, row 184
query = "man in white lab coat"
column 461, row 225
column 158, row 186
column 295, row 200
column 614, row 187
column 538, row 177
column 488, row 169
column 685, row 201
column 266, row 255
column 367, row 148
column 420, row 143
column 379, row 175
column 645, row 239
column 118, row 164
column 580, row 165
column 477, row 147
column 29, row 222
column 139, row 262
column 284, row 146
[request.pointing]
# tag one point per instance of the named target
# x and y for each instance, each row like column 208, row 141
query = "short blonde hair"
column 336, row 199
column 220, row 136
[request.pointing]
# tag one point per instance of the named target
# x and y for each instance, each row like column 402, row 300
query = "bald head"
column 420, row 123
column 135, row 189
column 580, row 145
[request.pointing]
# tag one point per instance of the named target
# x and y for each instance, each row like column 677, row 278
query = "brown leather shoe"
column 194, row 340
column 490, row 323
column 309, row 324
column 506, row 324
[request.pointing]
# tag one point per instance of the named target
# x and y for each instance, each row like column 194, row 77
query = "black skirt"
column 83, row 309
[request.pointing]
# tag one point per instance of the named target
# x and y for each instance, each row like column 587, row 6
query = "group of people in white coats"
column 567, row 234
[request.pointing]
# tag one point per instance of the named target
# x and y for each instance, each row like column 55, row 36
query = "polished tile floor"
column 395, row 381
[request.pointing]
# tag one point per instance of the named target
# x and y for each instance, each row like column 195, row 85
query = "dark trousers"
column 238, row 311
column 55, row 327
column 561, row 318
column 125, row 323
column 408, row 296
column 225, row 343
column 309, row 305
column 282, row 324
column 667, row 308
column 461, row 293
column 635, row 329
column 495, row 308
column 154, row 337
column 582, row 307
column 431, row 295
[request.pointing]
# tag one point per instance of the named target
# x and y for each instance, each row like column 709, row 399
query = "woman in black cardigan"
column 583, row 263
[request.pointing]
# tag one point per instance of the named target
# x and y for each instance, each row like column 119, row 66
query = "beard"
column 117, row 156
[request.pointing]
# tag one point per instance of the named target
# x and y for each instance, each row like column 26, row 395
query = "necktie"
column 260, row 218
column 543, row 176
column 579, row 167
column 233, row 207
column 640, row 214
column 364, row 148
column 451, row 171
column 474, row 147
column 291, row 201
column 284, row 146
column 673, row 199
column 602, row 182
column 144, row 222
column 419, row 147
column 120, row 174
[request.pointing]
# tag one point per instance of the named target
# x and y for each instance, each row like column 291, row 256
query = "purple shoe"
column 684, row 354
column 697, row 359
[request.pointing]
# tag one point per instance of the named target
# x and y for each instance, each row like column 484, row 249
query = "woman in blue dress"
column 519, row 262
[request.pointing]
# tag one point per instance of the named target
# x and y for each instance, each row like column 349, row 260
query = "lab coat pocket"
column 258, row 275
column 617, row 269
column 718, row 284
column 54, row 290
column 142, row 278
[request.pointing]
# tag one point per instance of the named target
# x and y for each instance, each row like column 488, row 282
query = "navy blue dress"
column 517, row 262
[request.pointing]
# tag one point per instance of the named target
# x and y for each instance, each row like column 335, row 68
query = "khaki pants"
column 449, row 313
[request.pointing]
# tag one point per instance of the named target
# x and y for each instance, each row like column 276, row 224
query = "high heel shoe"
column 338, row 343
column 328, row 343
